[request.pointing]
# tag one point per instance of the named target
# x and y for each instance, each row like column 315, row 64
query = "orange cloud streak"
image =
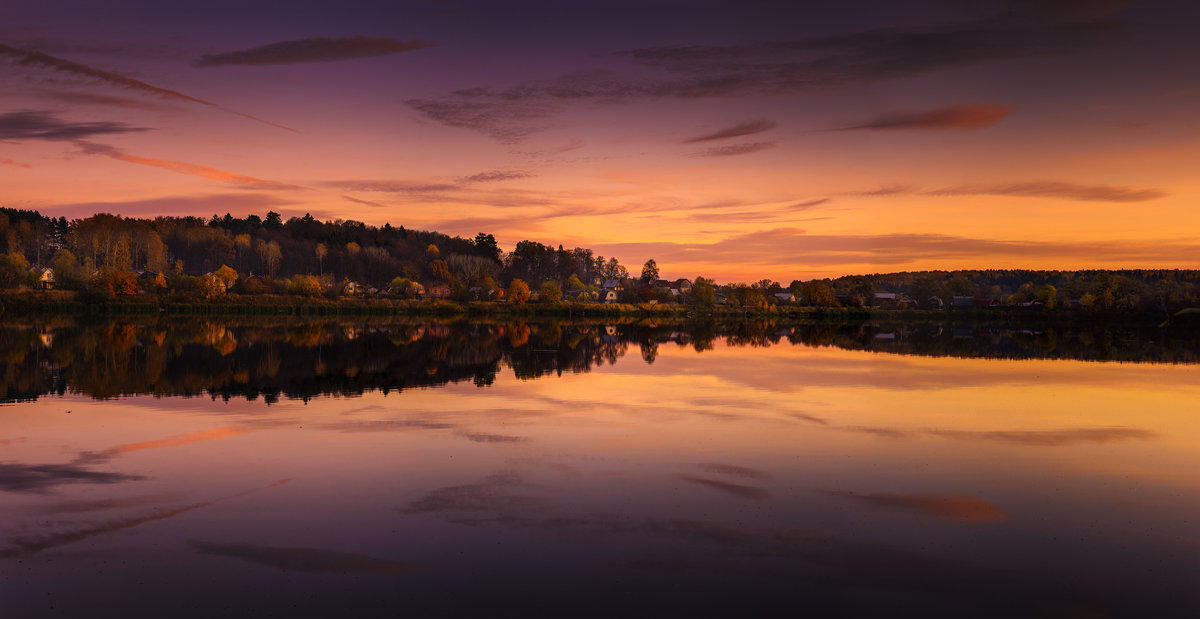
column 182, row 167
column 17, row 164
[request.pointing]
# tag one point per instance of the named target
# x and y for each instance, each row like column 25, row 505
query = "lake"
column 376, row 468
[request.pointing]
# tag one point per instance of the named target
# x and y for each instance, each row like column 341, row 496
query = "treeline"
column 198, row 257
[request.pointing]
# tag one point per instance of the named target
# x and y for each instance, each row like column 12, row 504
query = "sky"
column 735, row 140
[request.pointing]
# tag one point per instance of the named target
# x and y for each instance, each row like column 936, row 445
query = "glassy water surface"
column 208, row 468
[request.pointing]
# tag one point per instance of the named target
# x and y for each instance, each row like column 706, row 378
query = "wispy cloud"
column 317, row 49
column 734, row 149
column 1051, row 438
column 15, row 164
column 183, row 167
column 788, row 247
column 229, row 202
column 964, row 116
column 1056, row 189
column 364, row 202
column 738, row 130
column 90, row 98
column 771, row 68
column 30, row 58
column 506, row 121
column 45, row 125
column 34, row 59
column 1026, row 189
column 494, row 176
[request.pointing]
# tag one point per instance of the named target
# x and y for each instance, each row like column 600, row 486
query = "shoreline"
column 36, row 303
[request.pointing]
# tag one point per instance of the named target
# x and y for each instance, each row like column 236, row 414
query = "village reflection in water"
column 255, row 468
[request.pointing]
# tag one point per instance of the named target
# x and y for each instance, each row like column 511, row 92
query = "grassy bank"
column 25, row 303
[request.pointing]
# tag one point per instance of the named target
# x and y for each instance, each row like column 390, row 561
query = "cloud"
column 309, row 560
column 740, row 491
column 29, row 58
column 364, row 202
column 317, row 49
column 957, row 507
column 182, row 167
column 506, row 121
column 482, row 437
column 15, row 164
column 494, row 177
column 205, row 203
column 787, row 247
column 39, row 478
column 1056, row 189
column 738, row 130
column 88, row 98
column 734, row 149
column 44, row 125
column 964, row 116
column 1051, row 438
column 772, row 68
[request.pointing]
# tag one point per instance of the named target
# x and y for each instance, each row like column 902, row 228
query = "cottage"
column 439, row 291
column 785, row 297
column 682, row 286
column 610, row 296
column 45, row 279
column 254, row 284
column 613, row 284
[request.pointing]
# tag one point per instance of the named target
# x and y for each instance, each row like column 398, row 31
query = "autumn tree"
column 227, row 276
column 518, row 291
column 818, row 294
column 321, row 251
column 304, row 285
column 703, row 292
column 649, row 272
column 550, row 292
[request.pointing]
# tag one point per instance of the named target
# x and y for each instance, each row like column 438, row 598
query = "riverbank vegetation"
column 107, row 264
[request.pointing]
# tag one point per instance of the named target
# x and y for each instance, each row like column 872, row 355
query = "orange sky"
column 736, row 142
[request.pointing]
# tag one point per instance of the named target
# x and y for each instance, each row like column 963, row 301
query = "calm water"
column 200, row 469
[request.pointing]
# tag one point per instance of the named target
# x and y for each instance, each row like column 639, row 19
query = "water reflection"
column 388, row 468
column 254, row 358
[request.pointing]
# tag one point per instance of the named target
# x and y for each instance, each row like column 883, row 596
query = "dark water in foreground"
column 199, row 469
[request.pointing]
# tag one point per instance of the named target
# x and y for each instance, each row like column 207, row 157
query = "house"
column 785, row 297
column 439, row 291
column 613, row 284
column 254, row 284
column 682, row 286
column 886, row 297
column 45, row 279
column 662, row 283
column 610, row 296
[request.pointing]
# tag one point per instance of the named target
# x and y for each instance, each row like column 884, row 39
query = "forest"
column 195, row 257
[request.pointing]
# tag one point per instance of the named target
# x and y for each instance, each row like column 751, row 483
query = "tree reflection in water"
column 255, row 357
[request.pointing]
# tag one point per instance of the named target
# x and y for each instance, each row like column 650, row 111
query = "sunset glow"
column 738, row 141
